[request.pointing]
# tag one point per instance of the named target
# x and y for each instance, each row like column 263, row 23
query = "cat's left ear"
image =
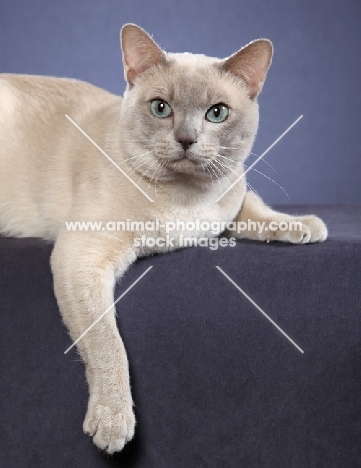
column 251, row 64
column 139, row 50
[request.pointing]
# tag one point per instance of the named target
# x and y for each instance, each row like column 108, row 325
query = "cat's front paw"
column 111, row 425
column 301, row 230
column 317, row 228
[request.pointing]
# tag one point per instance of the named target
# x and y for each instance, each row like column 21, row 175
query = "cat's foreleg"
column 260, row 222
column 84, row 268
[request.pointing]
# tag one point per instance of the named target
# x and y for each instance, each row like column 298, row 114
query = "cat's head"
column 186, row 113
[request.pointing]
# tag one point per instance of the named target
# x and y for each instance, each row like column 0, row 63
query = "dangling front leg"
column 84, row 269
column 260, row 222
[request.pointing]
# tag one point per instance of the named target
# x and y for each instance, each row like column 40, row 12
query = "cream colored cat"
column 182, row 132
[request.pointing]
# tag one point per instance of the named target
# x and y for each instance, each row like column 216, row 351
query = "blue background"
column 315, row 72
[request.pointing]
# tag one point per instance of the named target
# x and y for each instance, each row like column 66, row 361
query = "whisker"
column 163, row 163
column 247, row 183
column 269, row 178
column 253, row 154
column 232, row 148
column 137, row 165
column 211, row 165
column 205, row 166
column 280, row 186
column 266, row 162
column 137, row 156
column 229, row 159
column 154, row 173
column 146, row 172
column 252, row 189
column 226, row 167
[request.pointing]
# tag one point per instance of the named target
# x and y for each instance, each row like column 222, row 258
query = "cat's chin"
column 186, row 166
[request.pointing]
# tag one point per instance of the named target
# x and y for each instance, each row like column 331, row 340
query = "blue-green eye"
column 160, row 108
column 217, row 113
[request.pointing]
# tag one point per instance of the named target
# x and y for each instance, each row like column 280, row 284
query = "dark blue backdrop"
column 315, row 72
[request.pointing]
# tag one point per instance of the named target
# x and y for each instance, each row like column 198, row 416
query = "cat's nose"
column 186, row 142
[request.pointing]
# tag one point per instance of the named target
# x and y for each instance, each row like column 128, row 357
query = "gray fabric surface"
column 215, row 384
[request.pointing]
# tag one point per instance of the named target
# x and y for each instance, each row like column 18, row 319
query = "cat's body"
column 52, row 161
column 51, row 173
column 45, row 152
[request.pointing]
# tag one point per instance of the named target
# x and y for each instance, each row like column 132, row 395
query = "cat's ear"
column 251, row 64
column 139, row 50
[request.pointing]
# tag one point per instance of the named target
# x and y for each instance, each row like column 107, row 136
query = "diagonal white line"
column 108, row 157
column 259, row 158
column 258, row 307
column 108, row 309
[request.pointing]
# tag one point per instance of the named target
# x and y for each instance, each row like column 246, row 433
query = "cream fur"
column 50, row 173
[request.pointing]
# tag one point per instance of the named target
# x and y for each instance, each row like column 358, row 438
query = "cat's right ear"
column 139, row 50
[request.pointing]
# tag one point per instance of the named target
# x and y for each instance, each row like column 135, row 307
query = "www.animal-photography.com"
column 180, row 234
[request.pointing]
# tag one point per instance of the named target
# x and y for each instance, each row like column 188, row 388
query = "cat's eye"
column 160, row 108
column 217, row 113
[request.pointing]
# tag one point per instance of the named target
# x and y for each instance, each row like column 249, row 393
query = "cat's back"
column 40, row 148
column 34, row 108
column 38, row 86
column 32, row 94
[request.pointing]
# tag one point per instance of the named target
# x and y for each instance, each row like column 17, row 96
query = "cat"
column 182, row 132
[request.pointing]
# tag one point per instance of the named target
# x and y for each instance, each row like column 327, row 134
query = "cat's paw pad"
column 111, row 427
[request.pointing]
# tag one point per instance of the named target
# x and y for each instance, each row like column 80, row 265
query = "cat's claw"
column 313, row 230
column 111, row 428
column 317, row 228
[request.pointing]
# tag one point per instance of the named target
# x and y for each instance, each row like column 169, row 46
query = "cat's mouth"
column 186, row 156
column 187, row 164
column 184, row 160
